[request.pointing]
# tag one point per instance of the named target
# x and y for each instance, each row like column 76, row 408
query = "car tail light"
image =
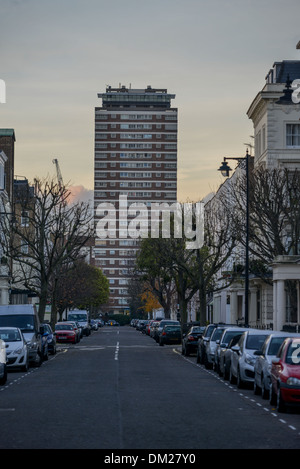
column 163, row 333
column 191, row 338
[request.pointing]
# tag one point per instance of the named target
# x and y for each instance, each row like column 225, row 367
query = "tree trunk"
column 202, row 306
column 42, row 303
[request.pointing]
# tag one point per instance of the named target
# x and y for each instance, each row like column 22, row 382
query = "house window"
column 293, row 135
column 25, row 218
column 24, row 248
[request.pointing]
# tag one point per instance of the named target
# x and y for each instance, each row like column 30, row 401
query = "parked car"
column 94, row 324
column 3, row 366
column 148, row 326
column 26, row 318
column 222, row 345
column 243, row 358
column 100, row 322
column 65, row 332
column 153, row 329
column 77, row 329
column 162, row 323
column 209, row 360
column 171, row 334
column 263, row 363
column 45, row 350
column 285, row 375
column 140, row 324
column 153, row 325
column 144, row 326
column 189, row 342
column 227, row 356
column 133, row 322
column 16, row 348
column 203, row 341
column 47, row 331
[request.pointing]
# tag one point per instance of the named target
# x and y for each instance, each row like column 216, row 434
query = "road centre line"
column 117, row 351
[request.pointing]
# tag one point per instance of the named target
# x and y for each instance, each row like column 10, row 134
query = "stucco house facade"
column 274, row 303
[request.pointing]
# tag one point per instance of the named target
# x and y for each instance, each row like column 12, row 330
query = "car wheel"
column 200, row 355
column 46, row 355
column 4, row 377
column 272, row 396
column 264, row 390
column 232, row 378
column 161, row 343
column 207, row 365
column 226, row 374
column 256, row 388
column 26, row 366
column 38, row 359
column 280, row 401
column 239, row 381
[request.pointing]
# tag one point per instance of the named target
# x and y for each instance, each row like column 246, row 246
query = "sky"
column 55, row 56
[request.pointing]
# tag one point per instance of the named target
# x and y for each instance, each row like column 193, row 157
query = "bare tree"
column 171, row 268
column 46, row 234
column 274, row 207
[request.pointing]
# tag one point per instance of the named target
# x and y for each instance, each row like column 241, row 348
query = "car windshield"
column 64, row 327
column 293, row 353
column 172, row 328
column 217, row 334
column 162, row 324
column 25, row 322
column 10, row 335
column 197, row 329
column 274, row 345
column 209, row 331
column 255, row 342
column 230, row 335
column 77, row 317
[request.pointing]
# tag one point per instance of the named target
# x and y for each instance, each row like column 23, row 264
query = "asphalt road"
column 119, row 390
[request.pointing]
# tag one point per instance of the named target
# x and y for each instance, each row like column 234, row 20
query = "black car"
column 49, row 338
column 190, row 340
column 162, row 324
column 171, row 334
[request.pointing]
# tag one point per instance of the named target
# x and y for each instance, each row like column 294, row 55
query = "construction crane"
column 58, row 172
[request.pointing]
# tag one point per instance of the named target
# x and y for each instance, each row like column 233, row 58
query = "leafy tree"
column 83, row 286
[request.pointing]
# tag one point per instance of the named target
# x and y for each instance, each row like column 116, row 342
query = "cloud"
column 81, row 194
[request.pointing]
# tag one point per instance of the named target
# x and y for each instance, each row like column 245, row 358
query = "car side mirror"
column 235, row 348
column 276, row 360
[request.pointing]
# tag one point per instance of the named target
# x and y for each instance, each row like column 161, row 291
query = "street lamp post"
column 225, row 170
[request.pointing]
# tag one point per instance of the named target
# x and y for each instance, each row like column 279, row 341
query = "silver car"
column 222, row 346
column 243, row 358
column 16, row 348
column 3, row 369
column 209, row 360
column 263, row 363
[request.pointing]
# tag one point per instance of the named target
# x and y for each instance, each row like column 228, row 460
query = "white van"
column 25, row 317
column 80, row 316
